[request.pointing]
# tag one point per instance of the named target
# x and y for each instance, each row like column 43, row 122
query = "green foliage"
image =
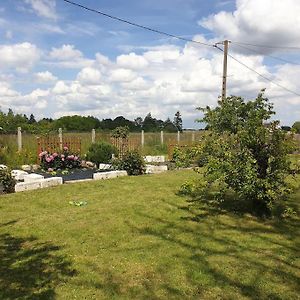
column 296, row 126
column 7, row 181
column 55, row 161
column 101, row 152
column 132, row 162
column 244, row 154
column 178, row 121
column 120, row 132
column 187, row 156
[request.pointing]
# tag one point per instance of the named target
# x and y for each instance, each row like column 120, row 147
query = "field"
column 137, row 239
column 28, row 155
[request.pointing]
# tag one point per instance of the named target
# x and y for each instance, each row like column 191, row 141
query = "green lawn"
column 136, row 239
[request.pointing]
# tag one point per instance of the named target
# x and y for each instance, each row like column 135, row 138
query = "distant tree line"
column 9, row 122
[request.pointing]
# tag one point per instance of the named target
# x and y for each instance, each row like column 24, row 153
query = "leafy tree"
column 32, row 119
column 245, row 156
column 169, row 126
column 138, row 122
column 286, row 128
column 178, row 121
column 296, row 126
column 149, row 123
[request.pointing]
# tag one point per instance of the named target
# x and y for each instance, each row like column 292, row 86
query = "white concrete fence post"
column 178, row 137
column 60, row 136
column 142, row 138
column 19, row 138
column 162, row 137
column 93, row 136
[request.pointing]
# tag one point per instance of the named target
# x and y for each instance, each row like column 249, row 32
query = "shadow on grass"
column 211, row 253
column 30, row 269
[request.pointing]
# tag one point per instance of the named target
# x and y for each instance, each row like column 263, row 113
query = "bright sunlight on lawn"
column 136, row 239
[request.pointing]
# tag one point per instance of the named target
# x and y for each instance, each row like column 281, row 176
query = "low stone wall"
column 38, row 184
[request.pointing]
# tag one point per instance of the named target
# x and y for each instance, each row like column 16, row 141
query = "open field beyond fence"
column 153, row 143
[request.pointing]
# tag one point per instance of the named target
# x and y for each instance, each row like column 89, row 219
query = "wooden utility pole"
column 224, row 82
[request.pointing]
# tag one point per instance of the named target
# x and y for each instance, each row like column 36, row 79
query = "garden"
column 222, row 223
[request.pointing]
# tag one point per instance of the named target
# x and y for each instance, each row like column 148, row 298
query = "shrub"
column 244, row 154
column 187, row 156
column 132, row 162
column 7, row 181
column 101, row 152
column 55, row 161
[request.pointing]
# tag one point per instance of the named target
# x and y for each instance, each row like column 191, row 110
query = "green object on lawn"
column 78, row 203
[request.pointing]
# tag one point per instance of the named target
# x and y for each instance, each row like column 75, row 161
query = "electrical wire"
column 263, row 76
column 268, row 46
column 274, row 57
column 137, row 25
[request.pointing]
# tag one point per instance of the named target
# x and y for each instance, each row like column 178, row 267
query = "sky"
column 57, row 59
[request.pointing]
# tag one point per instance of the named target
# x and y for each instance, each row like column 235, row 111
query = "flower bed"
column 59, row 161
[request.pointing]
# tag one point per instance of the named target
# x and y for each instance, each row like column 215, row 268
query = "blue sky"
column 57, row 59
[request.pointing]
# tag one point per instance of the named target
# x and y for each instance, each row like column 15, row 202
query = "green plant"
column 120, row 132
column 245, row 154
column 187, row 156
column 132, row 162
column 7, row 181
column 101, row 152
column 55, row 161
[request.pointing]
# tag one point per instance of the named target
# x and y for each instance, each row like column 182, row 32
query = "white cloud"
column 65, row 52
column 89, row 76
column 122, row 75
column 67, row 56
column 268, row 22
column 43, row 8
column 21, row 57
column 132, row 61
column 45, row 77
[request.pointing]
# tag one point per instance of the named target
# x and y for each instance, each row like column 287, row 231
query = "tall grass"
column 10, row 155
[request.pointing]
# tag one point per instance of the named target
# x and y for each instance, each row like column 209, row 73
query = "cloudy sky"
column 57, row 59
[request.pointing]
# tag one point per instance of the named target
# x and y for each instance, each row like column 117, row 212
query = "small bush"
column 132, row 162
column 188, row 156
column 101, row 152
column 7, row 182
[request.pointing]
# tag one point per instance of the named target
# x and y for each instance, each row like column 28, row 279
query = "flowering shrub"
column 55, row 161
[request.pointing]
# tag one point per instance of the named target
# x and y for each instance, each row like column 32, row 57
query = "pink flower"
column 75, row 157
column 71, row 157
column 66, row 148
column 62, row 156
column 63, row 159
column 50, row 170
column 54, row 154
column 43, row 153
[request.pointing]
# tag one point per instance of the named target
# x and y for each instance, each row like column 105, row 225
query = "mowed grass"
column 136, row 239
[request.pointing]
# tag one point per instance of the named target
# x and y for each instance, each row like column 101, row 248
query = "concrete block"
column 33, row 177
column 108, row 175
column 105, row 166
column 23, row 186
column 18, row 174
column 105, row 175
column 121, row 173
column 150, row 169
column 26, row 168
column 154, row 158
column 53, row 181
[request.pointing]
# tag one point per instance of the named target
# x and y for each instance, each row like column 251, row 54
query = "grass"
column 136, row 239
column 11, row 157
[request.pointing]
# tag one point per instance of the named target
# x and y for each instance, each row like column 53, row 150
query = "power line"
column 136, row 25
column 274, row 57
column 263, row 76
column 268, row 46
